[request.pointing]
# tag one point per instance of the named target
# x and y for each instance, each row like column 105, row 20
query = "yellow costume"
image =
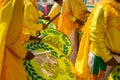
column 56, row 8
column 70, row 11
column 11, row 50
column 1, row 1
column 31, row 15
column 101, row 35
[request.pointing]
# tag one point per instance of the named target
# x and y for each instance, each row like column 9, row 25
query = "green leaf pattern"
column 116, row 73
column 35, row 46
column 58, row 40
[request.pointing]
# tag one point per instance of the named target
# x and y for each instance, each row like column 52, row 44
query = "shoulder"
column 27, row 3
column 101, row 9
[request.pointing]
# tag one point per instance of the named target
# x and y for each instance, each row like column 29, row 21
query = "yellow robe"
column 1, row 1
column 70, row 11
column 101, row 35
column 107, row 33
column 31, row 15
column 12, row 52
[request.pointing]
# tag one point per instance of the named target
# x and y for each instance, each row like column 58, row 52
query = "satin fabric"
column 56, row 8
column 31, row 15
column 101, row 35
column 70, row 11
column 71, row 8
column 12, row 52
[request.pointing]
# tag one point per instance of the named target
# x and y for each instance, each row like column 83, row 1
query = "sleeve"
column 12, row 39
column 33, row 26
column 17, row 48
column 30, row 16
column 54, row 10
column 97, row 33
column 72, row 18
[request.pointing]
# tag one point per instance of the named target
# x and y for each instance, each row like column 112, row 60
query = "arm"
column 17, row 49
column 31, row 17
column 97, row 33
column 12, row 41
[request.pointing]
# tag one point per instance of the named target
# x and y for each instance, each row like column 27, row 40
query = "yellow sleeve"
column 13, row 42
column 32, row 27
column 31, row 18
column 54, row 10
column 17, row 49
column 97, row 31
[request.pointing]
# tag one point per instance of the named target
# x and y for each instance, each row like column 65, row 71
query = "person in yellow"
column 71, row 20
column 56, row 9
column 101, row 38
column 12, row 51
column 31, row 16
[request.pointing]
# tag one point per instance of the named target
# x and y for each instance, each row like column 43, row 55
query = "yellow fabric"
column 56, row 8
column 81, row 65
column 101, row 34
column 31, row 15
column 106, row 27
column 75, row 6
column 12, row 52
column 4, row 22
column 1, row 1
column 71, row 8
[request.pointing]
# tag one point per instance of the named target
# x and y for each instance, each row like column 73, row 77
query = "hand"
column 118, row 1
column 29, row 55
column 46, row 18
column 35, row 38
column 44, row 26
column 79, row 22
column 32, row 37
column 112, row 62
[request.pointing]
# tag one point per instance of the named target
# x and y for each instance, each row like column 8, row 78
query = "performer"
column 31, row 16
column 11, row 50
column 101, row 38
column 71, row 20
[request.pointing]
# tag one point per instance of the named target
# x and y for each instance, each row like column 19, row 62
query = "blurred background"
column 45, row 5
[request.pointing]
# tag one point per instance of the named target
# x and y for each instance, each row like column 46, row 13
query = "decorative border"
column 55, row 37
column 34, row 46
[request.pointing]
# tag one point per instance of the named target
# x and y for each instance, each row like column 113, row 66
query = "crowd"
column 95, row 53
